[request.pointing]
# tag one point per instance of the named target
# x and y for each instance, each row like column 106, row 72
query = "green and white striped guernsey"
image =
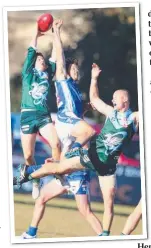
column 36, row 85
column 118, row 130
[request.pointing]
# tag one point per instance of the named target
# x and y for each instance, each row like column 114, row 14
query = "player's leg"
column 37, row 171
column 82, row 195
column 65, row 166
column 82, row 131
column 49, row 133
column 28, row 146
column 84, row 208
column 28, row 135
column 108, row 188
column 28, row 139
column 133, row 220
column 49, row 191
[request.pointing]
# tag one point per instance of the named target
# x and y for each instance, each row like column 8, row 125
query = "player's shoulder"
column 67, row 82
column 134, row 115
column 32, row 49
column 111, row 113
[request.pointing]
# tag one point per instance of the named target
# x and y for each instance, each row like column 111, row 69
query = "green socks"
column 105, row 233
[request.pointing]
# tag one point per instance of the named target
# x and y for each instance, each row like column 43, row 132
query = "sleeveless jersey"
column 117, row 131
column 69, row 100
column 36, row 92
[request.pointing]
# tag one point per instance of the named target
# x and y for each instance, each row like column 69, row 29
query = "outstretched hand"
column 95, row 72
column 57, row 24
column 37, row 32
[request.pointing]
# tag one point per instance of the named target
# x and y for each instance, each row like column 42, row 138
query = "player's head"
column 72, row 68
column 121, row 100
column 40, row 63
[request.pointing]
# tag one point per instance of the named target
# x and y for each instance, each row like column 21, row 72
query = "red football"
column 45, row 22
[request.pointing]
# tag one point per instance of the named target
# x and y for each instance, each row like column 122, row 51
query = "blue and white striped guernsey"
column 69, row 101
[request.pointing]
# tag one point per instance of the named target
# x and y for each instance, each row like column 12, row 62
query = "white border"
column 141, row 117
column 14, row 239
column 71, row 6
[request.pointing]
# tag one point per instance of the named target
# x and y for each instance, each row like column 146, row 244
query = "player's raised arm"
column 61, row 68
column 98, row 104
column 31, row 54
column 52, row 61
column 35, row 37
column 53, row 54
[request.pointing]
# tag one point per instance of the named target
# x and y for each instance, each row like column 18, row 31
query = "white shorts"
column 76, row 183
column 64, row 134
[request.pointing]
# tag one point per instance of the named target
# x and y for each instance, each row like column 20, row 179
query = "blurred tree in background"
column 104, row 36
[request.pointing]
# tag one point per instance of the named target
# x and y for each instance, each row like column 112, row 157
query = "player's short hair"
column 39, row 54
column 70, row 61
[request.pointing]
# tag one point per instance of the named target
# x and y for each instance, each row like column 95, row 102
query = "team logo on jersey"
column 39, row 92
column 113, row 142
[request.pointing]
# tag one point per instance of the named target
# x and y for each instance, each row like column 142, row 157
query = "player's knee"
column 43, row 200
column 85, row 211
column 109, row 201
column 90, row 132
column 48, row 168
column 56, row 144
column 82, row 211
column 39, row 202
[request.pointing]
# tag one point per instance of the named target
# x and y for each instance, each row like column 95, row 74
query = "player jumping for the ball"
column 69, row 98
column 104, row 151
column 35, row 105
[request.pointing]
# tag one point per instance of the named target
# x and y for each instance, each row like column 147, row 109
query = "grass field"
column 62, row 219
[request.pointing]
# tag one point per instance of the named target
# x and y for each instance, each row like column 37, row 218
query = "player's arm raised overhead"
column 53, row 54
column 52, row 61
column 35, row 37
column 61, row 67
column 31, row 54
column 98, row 104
